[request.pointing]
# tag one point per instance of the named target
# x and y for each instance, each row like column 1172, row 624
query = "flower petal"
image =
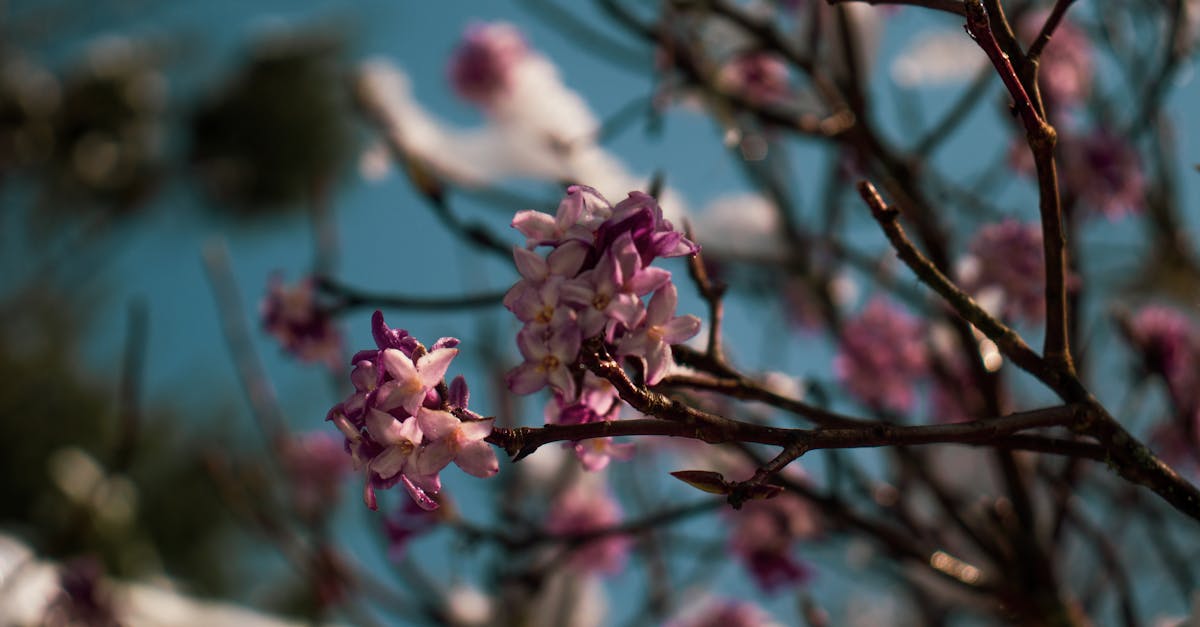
column 473, row 430
column 399, row 365
column 436, row 424
column 525, row 379
column 681, row 329
column 530, row 264
column 419, row 496
column 433, row 365
column 478, row 458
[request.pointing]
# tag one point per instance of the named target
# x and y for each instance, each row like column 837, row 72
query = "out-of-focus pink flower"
column 582, row 510
column 594, row 454
column 1105, row 172
column 1008, row 257
column 759, row 77
column 764, row 533
column 482, row 67
column 315, row 464
column 882, row 356
column 305, row 329
column 1169, row 344
column 1066, row 68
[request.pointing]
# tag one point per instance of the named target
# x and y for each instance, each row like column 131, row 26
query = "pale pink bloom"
column 411, row 381
column 650, row 341
column 882, row 356
column 462, row 442
column 594, row 454
column 579, row 511
column 579, row 214
column 549, row 351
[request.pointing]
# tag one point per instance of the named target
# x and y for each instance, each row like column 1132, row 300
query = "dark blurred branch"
column 349, row 297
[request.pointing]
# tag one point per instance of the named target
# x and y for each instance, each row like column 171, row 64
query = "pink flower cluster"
column 294, row 317
column 1169, row 343
column 882, row 356
column 316, row 464
column 590, row 283
column 1105, row 171
column 398, row 423
column 581, row 510
column 1008, row 257
column 764, row 533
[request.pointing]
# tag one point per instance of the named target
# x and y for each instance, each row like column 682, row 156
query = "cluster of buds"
column 400, row 422
column 591, row 283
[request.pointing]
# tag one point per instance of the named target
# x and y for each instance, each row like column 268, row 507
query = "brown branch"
column 1041, row 138
column 1008, row 341
column 746, row 389
column 350, row 297
column 1043, row 37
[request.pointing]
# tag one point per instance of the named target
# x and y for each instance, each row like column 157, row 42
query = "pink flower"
column 579, row 511
column 594, row 454
column 396, row 424
column 412, row 380
column 1008, row 256
column 578, row 216
column 315, row 464
column 1105, row 172
column 549, row 351
column 459, row 441
column 759, row 77
column 763, row 535
column 1169, row 344
column 482, row 67
column 1066, row 68
column 882, row 356
column 305, row 329
column 650, row 341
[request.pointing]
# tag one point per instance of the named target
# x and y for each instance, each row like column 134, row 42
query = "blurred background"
column 161, row 161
